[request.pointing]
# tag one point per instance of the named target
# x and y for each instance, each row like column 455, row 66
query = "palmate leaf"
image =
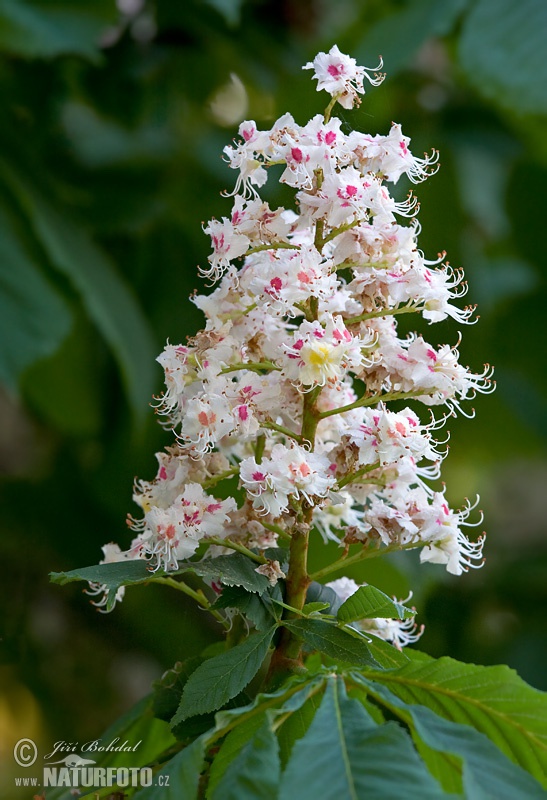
column 183, row 770
column 231, row 746
column 254, row 772
column 347, row 646
column 485, row 768
column 369, row 602
column 220, row 678
column 493, row 700
column 344, row 754
column 242, row 723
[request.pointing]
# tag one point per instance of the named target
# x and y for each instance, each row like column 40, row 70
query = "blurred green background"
column 114, row 116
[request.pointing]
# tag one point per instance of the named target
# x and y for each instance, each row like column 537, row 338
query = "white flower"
column 344, row 587
column 207, row 419
column 399, row 632
column 318, row 354
column 289, row 471
column 340, row 76
column 227, row 244
column 445, row 542
column 390, row 157
column 174, row 533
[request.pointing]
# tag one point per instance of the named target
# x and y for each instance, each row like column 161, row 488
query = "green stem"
column 254, row 366
column 362, row 555
column 233, row 315
column 273, row 426
column 371, row 401
column 337, row 231
column 328, row 110
column 239, row 548
column 212, row 481
column 276, row 529
column 288, row 655
column 196, row 595
column 385, row 312
column 353, row 476
column 259, row 447
column 273, row 246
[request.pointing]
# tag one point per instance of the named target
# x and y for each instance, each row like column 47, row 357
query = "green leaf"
column 231, row 746
column 291, row 695
column 493, row 700
column 315, row 608
column 399, row 35
column 484, row 766
column 385, row 654
column 183, row 770
column 344, row 754
column 319, row 593
column 248, row 603
column 233, row 570
column 220, row 678
column 106, row 297
column 45, row 30
column 369, row 602
column 241, row 723
column 254, row 773
column 168, row 689
column 296, row 726
column 333, row 641
column 502, row 52
column 122, row 573
column 34, row 319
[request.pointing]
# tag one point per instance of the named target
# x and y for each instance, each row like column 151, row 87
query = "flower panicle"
column 304, row 310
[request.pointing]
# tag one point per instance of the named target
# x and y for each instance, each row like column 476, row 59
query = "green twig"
column 214, row 479
column 384, row 312
column 239, row 548
column 272, row 246
column 354, row 476
column 362, row 555
column 253, row 366
column 371, row 401
column 337, row 231
column 273, row 426
column 276, row 529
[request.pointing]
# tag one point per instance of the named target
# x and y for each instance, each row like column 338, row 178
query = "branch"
column 371, row 552
column 370, row 401
column 384, row 312
column 213, row 480
column 239, row 548
column 253, row 366
column 272, row 246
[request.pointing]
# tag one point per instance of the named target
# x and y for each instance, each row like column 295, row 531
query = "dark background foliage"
column 114, row 119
